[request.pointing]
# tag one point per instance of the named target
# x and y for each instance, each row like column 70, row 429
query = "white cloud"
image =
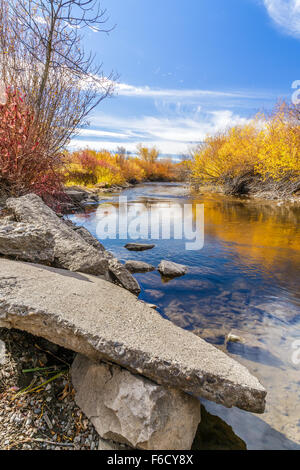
column 40, row 19
column 171, row 135
column 286, row 14
column 179, row 122
column 165, row 147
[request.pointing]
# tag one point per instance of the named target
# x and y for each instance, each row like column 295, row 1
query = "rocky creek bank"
column 77, row 197
column 59, row 283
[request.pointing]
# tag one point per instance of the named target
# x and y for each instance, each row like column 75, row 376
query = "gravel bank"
column 47, row 418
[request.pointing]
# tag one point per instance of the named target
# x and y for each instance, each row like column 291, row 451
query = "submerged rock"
column 103, row 321
column 139, row 246
column 251, row 347
column 132, row 410
column 170, row 269
column 105, row 444
column 234, row 337
column 138, row 267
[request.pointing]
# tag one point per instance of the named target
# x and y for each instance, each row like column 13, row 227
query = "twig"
column 51, row 354
column 62, row 444
column 39, row 369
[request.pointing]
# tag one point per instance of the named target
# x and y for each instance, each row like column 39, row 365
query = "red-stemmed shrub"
column 26, row 162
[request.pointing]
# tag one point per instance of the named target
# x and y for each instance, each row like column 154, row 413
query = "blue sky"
column 189, row 69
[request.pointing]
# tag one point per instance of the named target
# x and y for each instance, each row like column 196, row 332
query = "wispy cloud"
column 101, row 133
column 124, row 89
column 286, row 14
column 174, row 94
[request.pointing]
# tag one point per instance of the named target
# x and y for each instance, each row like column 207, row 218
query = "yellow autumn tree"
column 263, row 151
column 279, row 152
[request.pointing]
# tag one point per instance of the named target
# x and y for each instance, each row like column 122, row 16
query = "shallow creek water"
column 246, row 277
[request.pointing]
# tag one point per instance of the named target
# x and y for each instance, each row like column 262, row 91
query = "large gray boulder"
column 103, row 321
column 71, row 251
column 26, row 242
column 41, row 236
column 88, row 237
column 132, row 410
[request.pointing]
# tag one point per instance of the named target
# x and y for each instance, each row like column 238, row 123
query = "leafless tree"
column 121, row 155
column 149, row 155
column 42, row 54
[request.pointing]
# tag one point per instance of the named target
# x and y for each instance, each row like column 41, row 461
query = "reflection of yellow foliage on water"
column 262, row 233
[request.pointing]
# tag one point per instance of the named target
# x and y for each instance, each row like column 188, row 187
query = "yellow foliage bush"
column 88, row 167
column 266, row 148
column 279, row 151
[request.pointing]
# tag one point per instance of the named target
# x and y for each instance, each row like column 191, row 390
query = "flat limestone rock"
column 105, row 322
column 130, row 409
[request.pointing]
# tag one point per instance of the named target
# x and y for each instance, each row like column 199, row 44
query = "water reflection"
column 248, row 428
column 247, row 278
column 215, row 434
column 264, row 237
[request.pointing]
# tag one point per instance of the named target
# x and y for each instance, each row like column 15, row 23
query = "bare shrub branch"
column 42, row 54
